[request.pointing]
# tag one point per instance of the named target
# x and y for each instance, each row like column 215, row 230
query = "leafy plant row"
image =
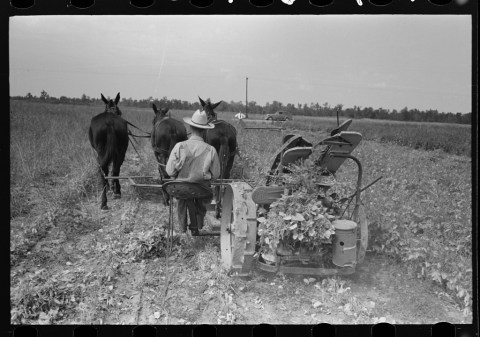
column 420, row 213
column 451, row 138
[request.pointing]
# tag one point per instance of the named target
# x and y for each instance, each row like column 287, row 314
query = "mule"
column 224, row 139
column 108, row 135
column 165, row 134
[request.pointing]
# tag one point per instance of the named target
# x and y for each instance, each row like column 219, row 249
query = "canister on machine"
column 345, row 243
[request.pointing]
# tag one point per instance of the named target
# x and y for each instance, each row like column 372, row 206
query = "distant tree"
column 368, row 112
column 44, row 95
column 291, row 108
column 326, row 108
column 349, row 112
column 84, row 98
column 381, row 113
column 405, row 114
column 305, row 109
column 458, row 117
column 253, row 107
column 312, row 109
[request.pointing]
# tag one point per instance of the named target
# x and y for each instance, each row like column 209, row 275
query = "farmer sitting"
column 195, row 161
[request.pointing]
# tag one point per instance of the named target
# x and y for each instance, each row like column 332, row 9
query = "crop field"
column 72, row 263
column 451, row 138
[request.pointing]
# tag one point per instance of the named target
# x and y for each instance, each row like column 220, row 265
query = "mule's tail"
column 223, row 158
column 110, row 150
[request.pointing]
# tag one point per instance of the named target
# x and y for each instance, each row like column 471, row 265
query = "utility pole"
column 246, row 99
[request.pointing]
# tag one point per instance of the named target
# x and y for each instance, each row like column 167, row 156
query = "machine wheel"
column 361, row 219
column 238, row 231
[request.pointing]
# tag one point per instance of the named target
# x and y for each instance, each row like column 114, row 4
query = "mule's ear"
column 104, row 99
column 201, row 102
column 155, row 108
column 166, row 110
column 216, row 104
column 117, row 99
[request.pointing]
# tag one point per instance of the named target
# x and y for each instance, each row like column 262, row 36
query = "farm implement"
column 246, row 208
column 350, row 238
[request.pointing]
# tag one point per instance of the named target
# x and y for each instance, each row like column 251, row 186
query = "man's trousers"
column 197, row 208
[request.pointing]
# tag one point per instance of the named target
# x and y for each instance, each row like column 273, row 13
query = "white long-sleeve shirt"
column 193, row 160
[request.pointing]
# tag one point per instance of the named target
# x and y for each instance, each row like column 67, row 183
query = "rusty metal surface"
column 238, row 227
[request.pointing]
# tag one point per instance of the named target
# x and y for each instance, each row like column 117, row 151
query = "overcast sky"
column 388, row 61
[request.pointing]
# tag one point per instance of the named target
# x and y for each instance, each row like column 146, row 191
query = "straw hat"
column 199, row 120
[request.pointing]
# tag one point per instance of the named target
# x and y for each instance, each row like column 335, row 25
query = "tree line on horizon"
column 314, row 109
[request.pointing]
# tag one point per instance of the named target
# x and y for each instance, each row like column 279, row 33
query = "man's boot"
column 194, row 230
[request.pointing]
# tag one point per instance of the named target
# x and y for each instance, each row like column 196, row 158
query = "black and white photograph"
column 240, row 169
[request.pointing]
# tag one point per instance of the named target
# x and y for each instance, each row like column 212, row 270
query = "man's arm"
column 175, row 162
column 215, row 165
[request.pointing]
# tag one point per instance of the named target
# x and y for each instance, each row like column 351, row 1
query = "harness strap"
column 137, row 136
column 148, row 133
column 159, row 150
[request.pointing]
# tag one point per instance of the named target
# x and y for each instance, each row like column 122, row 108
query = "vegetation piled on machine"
column 300, row 222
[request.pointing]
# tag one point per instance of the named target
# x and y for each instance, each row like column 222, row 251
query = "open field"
column 451, row 138
column 72, row 263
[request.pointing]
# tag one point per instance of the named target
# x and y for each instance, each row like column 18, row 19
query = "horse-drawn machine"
column 241, row 201
column 237, row 203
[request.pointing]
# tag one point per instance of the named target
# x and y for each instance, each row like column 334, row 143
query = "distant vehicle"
column 279, row 116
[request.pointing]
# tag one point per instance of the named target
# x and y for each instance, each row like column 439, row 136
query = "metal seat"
column 290, row 141
column 342, row 127
column 187, row 190
column 338, row 149
column 294, row 154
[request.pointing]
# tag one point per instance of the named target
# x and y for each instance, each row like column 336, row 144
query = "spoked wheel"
column 361, row 219
column 238, row 229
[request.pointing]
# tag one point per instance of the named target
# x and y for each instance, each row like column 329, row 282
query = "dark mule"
column 108, row 134
column 165, row 134
column 224, row 139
